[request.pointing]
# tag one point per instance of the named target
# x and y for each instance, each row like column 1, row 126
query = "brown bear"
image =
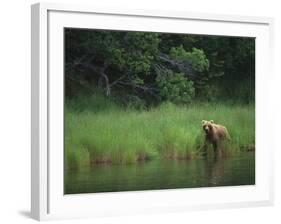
column 214, row 134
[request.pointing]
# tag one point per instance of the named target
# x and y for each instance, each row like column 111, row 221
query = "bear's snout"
column 206, row 129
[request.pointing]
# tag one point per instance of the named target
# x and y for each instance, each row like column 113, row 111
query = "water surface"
column 163, row 174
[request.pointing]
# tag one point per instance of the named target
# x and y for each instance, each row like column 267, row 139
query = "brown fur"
column 214, row 133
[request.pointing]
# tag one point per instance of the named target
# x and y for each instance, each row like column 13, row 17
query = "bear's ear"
column 212, row 121
column 203, row 121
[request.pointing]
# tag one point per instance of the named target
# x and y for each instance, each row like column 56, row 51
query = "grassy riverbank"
column 99, row 131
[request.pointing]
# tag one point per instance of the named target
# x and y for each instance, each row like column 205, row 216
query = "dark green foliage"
column 196, row 58
column 175, row 87
column 232, row 68
column 146, row 68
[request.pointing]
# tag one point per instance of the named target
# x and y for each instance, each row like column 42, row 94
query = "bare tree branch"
column 183, row 66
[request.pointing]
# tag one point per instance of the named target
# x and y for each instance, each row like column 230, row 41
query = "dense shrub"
column 175, row 87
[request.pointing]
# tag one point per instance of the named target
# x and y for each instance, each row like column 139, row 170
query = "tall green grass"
column 99, row 131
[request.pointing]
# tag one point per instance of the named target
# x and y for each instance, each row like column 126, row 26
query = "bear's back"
column 220, row 131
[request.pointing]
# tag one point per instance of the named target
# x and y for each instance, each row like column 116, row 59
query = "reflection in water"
column 214, row 170
column 163, row 174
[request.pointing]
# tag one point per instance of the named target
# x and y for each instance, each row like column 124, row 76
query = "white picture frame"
column 48, row 201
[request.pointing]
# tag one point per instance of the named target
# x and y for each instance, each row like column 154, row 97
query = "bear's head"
column 207, row 126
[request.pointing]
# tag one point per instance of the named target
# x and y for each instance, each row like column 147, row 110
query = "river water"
column 163, row 174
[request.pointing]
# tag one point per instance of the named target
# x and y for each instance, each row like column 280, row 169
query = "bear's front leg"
column 217, row 150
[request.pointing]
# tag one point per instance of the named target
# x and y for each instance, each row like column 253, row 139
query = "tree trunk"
column 103, row 77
